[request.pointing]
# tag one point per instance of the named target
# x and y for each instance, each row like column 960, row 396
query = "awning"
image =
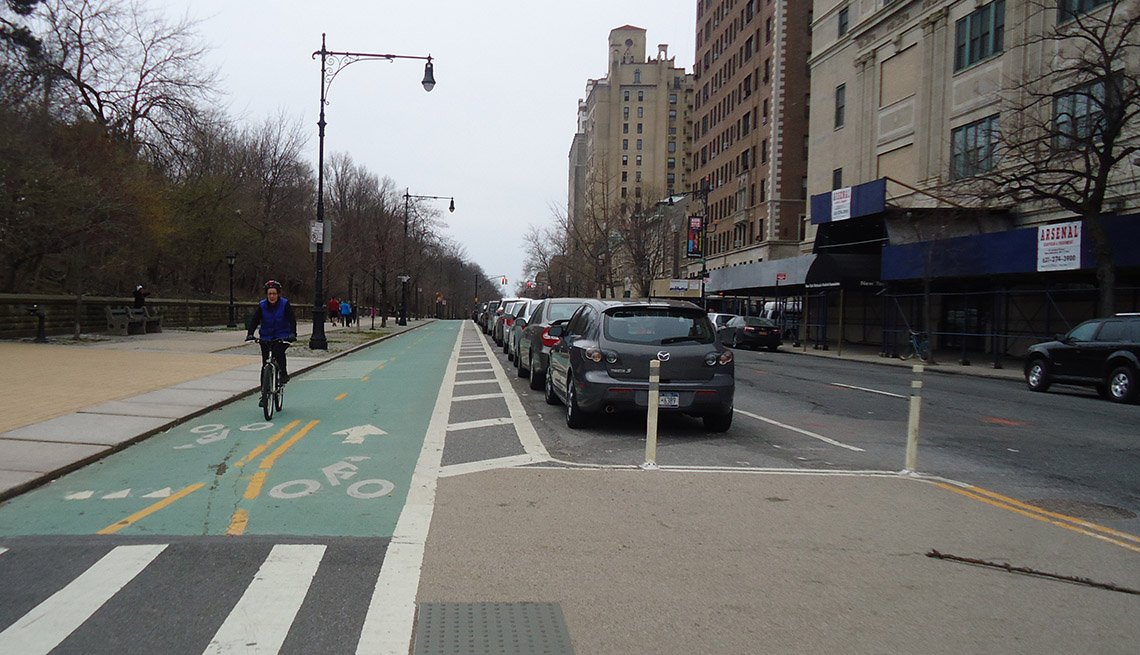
column 817, row 270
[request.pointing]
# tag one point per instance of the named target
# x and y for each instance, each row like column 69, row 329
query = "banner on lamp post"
column 695, row 244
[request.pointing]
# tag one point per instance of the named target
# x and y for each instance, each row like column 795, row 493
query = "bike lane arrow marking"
column 356, row 434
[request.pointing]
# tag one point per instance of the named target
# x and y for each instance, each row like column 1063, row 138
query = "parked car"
column 750, row 332
column 488, row 315
column 601, row 361
column 501, row 315
column 1103, row 353
column 522, row 311
column 535, row 342
column 720, row 320
column 477, row 311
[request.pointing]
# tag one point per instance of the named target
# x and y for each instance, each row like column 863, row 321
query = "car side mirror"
column 1063, row 338
column 556, row 331
column 520, row 322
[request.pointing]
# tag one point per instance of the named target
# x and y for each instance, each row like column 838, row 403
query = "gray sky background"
column 495, row 133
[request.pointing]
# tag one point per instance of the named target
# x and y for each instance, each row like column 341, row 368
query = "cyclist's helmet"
column 272, row 284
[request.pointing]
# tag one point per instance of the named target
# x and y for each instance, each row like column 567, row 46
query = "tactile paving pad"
column 491, row 628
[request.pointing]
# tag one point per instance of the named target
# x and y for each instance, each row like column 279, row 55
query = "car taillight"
column 508, row 322
column 548, row 340
column 594, row 355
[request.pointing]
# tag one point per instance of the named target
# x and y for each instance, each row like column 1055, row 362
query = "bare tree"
column 139, row 76
column 1070, row 131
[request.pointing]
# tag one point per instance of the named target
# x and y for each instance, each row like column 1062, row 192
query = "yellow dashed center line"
column 342, row 396
column 261, row 448
column 238, row 523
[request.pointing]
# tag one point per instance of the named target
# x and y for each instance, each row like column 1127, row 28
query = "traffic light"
column 503, row 281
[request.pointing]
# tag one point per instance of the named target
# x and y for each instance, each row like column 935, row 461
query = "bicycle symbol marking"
column 212, row 432
column 341, row 471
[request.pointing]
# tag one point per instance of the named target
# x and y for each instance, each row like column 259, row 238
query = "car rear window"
column 560, row 311
column 658, row 326
column 760, row 322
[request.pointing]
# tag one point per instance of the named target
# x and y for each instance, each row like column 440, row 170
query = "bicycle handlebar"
column 287, row 342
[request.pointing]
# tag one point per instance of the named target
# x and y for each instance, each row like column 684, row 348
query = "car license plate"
column 669, row 399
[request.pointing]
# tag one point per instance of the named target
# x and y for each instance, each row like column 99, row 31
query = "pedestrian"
column 345, row 312
column 333, row 307
column 140, row 296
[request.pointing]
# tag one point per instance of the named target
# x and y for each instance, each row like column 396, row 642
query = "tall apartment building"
column 633, row 140
column 750, row 130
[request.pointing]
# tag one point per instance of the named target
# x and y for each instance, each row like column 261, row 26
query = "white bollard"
column 913, row 419
column 651, row 421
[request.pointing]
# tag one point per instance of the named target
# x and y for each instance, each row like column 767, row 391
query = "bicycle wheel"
column 924, row 352
column 268, row 396
column 279, row 397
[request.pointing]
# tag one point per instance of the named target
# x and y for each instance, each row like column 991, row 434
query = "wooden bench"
column 123, row 321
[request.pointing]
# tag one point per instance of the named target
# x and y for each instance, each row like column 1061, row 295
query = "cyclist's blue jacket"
column 277, row 322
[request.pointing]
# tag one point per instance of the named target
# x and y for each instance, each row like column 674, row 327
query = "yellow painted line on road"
column 1040, row 515
column 364, row 379
column 143, row 513
column 272, row 440
column 238, row 523
column 268, row 462
column 342, row 396
column 1064, row 517
column 253, row 489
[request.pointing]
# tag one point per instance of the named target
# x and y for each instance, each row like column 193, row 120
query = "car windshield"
column 758, row 322
column 658, row 326
column 1084, row 331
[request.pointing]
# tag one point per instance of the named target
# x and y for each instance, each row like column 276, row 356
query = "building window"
column 843, row 18
column 641, row 112
column 672, row 114
column 980, row 35
column 1078, row 113
column 767, row 71
column 625, row 113
column 672, row 98
column 639, row 144
column 803, row 187
column 764, row 109
column 840, row 104
column 672, row 163
column 671, row 179
column 837, row 179
column 972, row 148
column 625, row 160
column 625, row 176
column 637, row 176
column 625, row 95
column 1068, row 10
column 638, row 160
column 640, row 129
column 764, row 190
column 768, row 30
column 625, row 144
column 624, row 192
column 625, row 128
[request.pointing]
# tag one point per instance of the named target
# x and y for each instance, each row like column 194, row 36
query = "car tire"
column 536, row 378
column 549, row 395
column 520, row 370
column 1037, row 375
column 717, row 422
column 1122, row 385
column 574, row 417
column 773, row 348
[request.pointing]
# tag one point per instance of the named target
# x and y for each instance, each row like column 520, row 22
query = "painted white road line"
column 260, row 621
column 478, row 396
column 482, row 423
column 476, row 381
column 391, row 613
column 477, row 370
column 813, row 435
column 490, row 464
column 3, row 550
column 881, row 393
column 50, row 622
column 528, row 436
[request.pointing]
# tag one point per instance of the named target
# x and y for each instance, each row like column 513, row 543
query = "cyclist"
column 276, row 319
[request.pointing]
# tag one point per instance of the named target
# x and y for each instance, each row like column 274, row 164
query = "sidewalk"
column 69, row 403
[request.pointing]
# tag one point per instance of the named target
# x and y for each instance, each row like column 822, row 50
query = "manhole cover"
column 1081, row 509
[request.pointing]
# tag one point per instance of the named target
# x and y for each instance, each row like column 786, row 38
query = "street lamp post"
column 403, row 318
column 230, row 258
column 340, row 60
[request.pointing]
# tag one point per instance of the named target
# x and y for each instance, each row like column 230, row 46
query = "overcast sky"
column 495, row 133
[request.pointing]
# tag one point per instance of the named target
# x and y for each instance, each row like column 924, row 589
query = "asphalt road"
column 1067, row 451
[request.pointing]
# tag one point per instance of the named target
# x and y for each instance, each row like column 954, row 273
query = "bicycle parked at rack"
column 919, row 346
column 272, row 389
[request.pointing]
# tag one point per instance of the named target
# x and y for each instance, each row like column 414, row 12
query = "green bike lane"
column 337, row 461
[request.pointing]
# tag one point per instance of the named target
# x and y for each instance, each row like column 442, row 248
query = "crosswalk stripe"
column 46, row 626
column 260, row 621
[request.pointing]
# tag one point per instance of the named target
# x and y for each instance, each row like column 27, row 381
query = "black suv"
column 1102, row 353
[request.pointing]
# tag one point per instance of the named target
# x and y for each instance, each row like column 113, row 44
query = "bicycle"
column 919, row 346
column 272, row 390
